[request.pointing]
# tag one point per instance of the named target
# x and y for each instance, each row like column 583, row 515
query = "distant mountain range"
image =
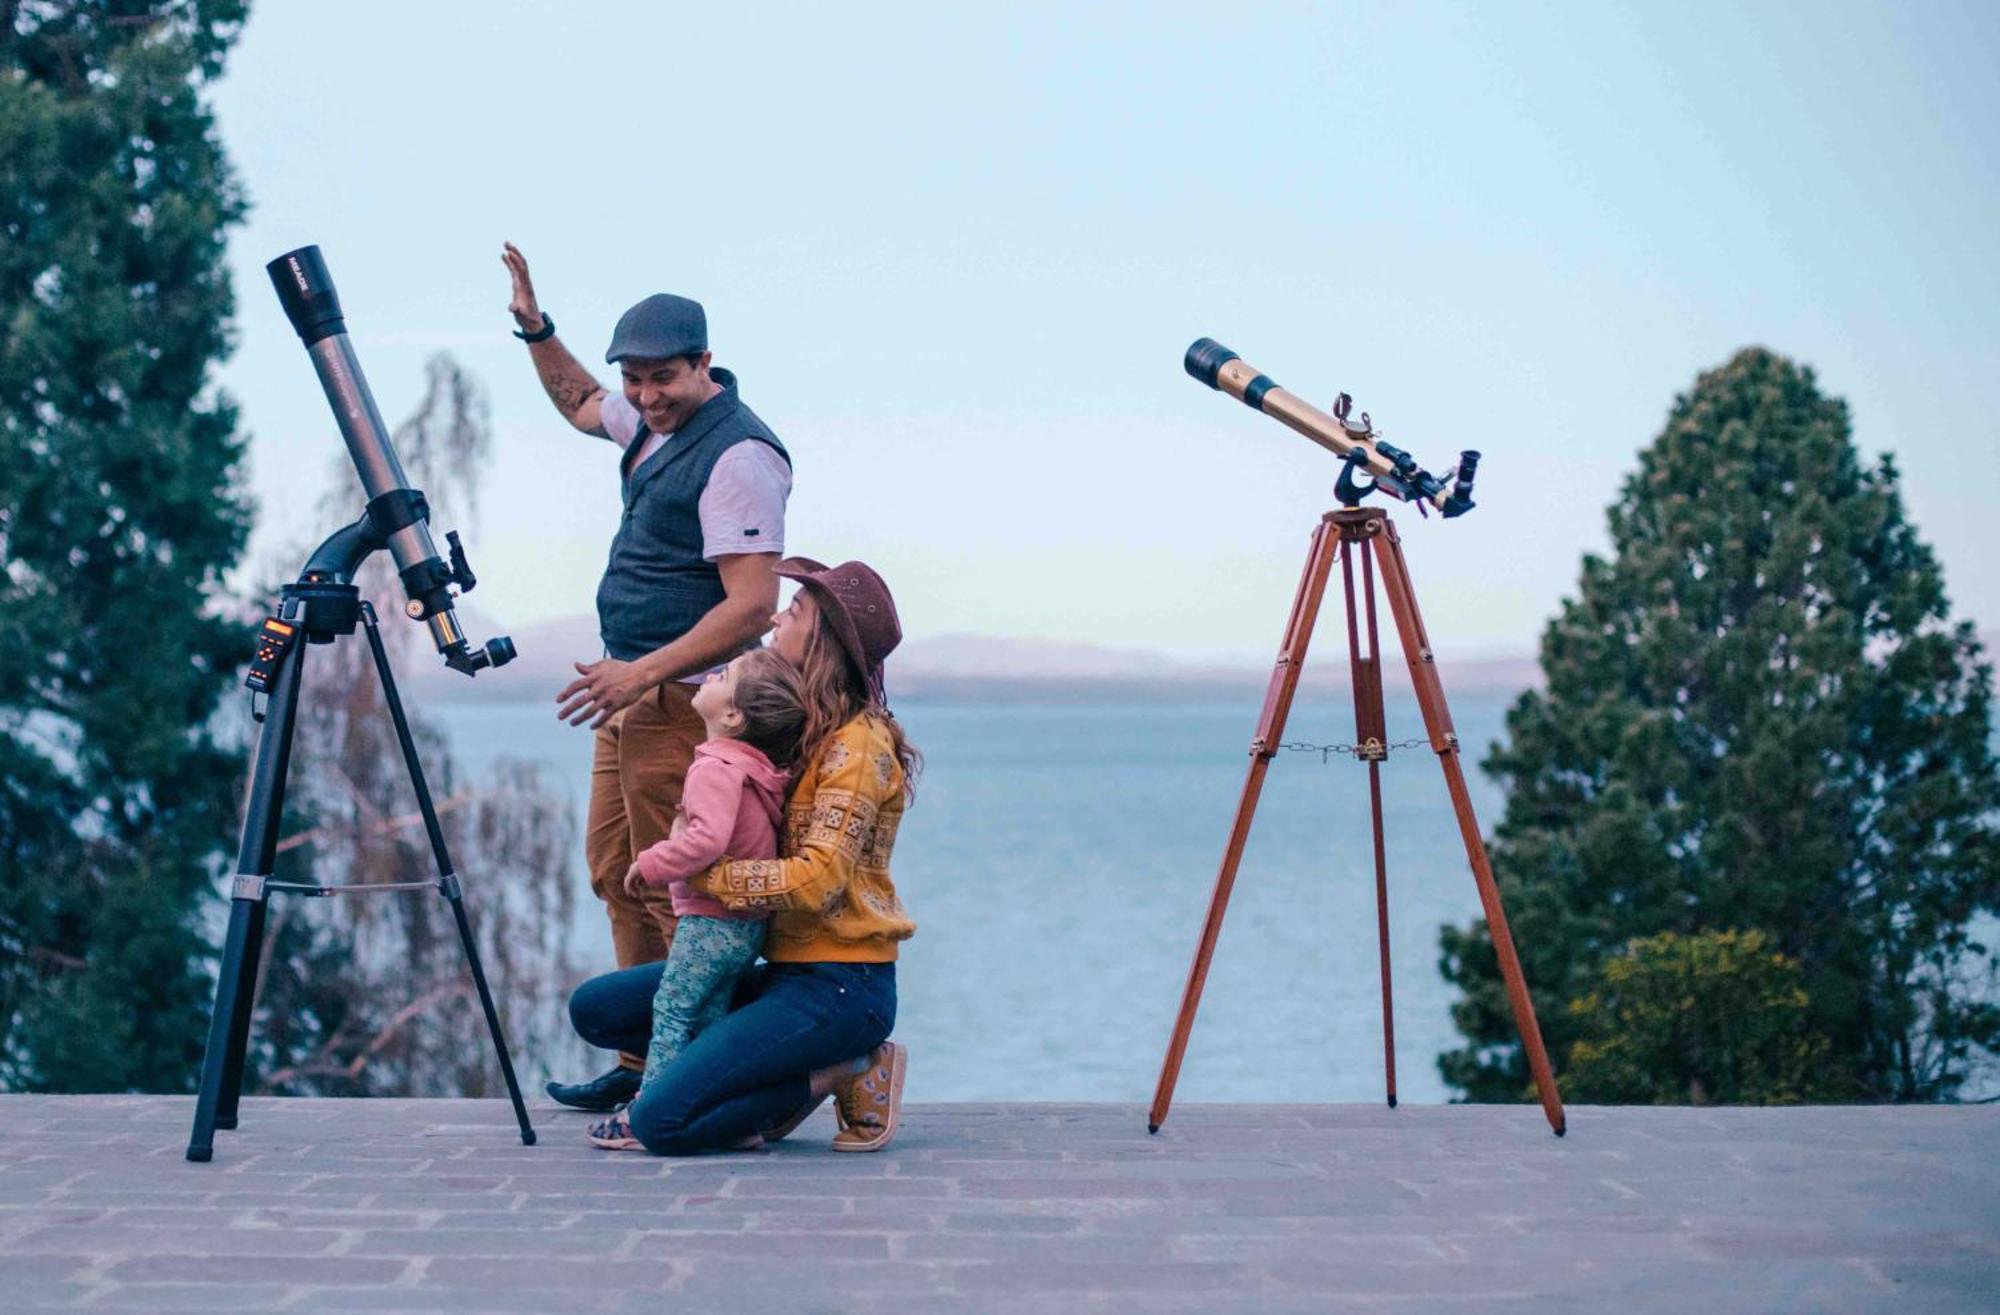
column 982, row 667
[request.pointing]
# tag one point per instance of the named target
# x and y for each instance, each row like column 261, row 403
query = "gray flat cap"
column 659, row 327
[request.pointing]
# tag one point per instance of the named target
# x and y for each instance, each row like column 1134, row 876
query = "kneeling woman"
column 826, row 1001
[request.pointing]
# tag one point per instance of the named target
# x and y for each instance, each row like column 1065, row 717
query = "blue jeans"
column 748, row 1071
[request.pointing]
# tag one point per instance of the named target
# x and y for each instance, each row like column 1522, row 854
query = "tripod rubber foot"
column 1153, row 1129
column 527, row 1136
column 201, row 1154
column 1392, row 1102
column 1563, row 1128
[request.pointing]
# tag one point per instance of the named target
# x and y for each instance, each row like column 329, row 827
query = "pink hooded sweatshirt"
column 734, row 800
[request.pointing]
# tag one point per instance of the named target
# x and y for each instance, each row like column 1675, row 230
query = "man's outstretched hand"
column 526, row 310
column 600, row 690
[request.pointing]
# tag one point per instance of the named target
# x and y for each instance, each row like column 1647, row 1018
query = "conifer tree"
column 120, row 508
column 1758, row 717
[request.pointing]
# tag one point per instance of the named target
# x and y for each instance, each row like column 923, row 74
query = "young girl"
column 732, row 804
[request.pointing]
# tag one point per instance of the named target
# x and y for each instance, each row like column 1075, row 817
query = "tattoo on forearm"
column 567, row 383
column 580, row 391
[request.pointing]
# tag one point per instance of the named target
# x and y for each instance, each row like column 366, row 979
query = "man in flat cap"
column 689, row 585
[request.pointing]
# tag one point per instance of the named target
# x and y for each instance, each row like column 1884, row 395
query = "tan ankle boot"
column 869, row 1103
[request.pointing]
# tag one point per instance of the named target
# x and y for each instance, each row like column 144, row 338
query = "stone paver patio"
column 415, row 1205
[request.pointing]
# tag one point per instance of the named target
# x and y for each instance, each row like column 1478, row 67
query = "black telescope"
column 319, row 607
column 1395, row 471
column 397, row 517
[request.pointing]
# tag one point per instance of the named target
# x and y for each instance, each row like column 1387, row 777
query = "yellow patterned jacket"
column 831, row 898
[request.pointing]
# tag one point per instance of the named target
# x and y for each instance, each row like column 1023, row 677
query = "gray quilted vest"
column 656, row 585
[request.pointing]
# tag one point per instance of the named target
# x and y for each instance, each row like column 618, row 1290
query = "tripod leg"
column 1437, row 723
column 236, row 975
column 1270, row 730
column 447, row 877
column 248, row 960
column 1371, row 735
column 229, row 1002
column 451, row 892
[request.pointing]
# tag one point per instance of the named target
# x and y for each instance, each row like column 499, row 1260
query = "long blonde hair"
column 835, row 692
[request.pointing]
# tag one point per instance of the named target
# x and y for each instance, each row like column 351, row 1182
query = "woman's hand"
column 601, row 689
column 526, row 310
column 635, row 881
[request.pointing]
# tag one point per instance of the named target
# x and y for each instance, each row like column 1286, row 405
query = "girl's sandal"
column 868, row 1105
column 614, row 1134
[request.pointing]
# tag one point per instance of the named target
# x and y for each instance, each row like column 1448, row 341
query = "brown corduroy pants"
column 638, row 768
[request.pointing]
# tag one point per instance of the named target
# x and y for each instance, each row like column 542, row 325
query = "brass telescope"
column 1394, row 471
column 1364, row 537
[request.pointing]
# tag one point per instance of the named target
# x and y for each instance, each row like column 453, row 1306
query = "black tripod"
column 320, row 605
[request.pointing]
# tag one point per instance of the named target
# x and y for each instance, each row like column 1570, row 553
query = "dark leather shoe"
column 602, row 1094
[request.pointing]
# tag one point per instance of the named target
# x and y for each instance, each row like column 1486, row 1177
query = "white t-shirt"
column 742, row 506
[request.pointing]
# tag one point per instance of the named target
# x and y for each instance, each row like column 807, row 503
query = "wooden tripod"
column 1349, row 533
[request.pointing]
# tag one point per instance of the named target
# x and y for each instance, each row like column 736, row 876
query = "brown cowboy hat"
column 858, row 609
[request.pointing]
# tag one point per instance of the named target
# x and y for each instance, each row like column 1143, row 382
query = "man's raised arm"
column 575, row 393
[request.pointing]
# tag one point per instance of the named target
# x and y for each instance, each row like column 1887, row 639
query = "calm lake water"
column 1059, row 860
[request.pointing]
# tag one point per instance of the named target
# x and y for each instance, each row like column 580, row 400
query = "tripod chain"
column 1366, row 751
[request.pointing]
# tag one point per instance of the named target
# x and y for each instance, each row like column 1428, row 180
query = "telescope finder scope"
column 397, row 517
column 1395, row 471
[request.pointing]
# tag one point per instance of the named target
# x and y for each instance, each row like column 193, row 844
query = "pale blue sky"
column 956, row 257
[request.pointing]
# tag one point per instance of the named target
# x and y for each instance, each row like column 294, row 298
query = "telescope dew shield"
column 397, row 513
column 306, row 292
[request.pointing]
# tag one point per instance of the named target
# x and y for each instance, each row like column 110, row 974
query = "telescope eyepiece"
column 462, row 656
column 305, row 290
column 1460, row 500
column 1206, row 358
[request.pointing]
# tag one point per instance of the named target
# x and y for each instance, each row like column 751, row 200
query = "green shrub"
column 1716, row 1018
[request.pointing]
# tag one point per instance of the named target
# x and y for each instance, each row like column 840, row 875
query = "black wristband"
column 543, row 334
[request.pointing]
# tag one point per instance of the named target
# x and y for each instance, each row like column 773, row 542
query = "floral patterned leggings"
column 708, row 958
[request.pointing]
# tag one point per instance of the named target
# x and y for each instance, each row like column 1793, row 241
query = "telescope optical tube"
column 1226, row 372
column 397, row 513
column 1395, row 471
